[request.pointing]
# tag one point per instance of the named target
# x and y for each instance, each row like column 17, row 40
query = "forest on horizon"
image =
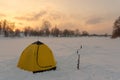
column 8, row 29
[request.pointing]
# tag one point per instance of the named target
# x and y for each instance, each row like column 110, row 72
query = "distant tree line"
column 8, row 29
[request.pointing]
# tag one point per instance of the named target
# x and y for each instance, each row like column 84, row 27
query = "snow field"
column 100, row 58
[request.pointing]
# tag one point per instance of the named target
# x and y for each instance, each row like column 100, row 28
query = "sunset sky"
column 94, row 16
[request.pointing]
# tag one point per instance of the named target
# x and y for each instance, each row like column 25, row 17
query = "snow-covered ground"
column 99, row 60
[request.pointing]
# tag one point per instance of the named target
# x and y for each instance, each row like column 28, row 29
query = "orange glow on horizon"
column 93, row 16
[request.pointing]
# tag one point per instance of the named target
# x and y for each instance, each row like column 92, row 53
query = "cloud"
column 20, row 23
column 2, row 15
column 93, row 21
column 32, row 17
column 68, row 25
column 51, row 15
column 54, row 16
column 38, row 15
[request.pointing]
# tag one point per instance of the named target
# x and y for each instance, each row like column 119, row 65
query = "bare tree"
column 77, row 32
column 17, row 32
column 0, row 28
column 27, row 31
column 66, row 33
column 116, row 28
column 45, row 28
column 55, row 31
column 85, row 33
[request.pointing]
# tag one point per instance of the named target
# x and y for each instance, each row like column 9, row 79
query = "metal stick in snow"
column 78, row 64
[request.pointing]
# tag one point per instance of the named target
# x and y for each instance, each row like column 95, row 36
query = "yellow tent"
column 37, row 57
